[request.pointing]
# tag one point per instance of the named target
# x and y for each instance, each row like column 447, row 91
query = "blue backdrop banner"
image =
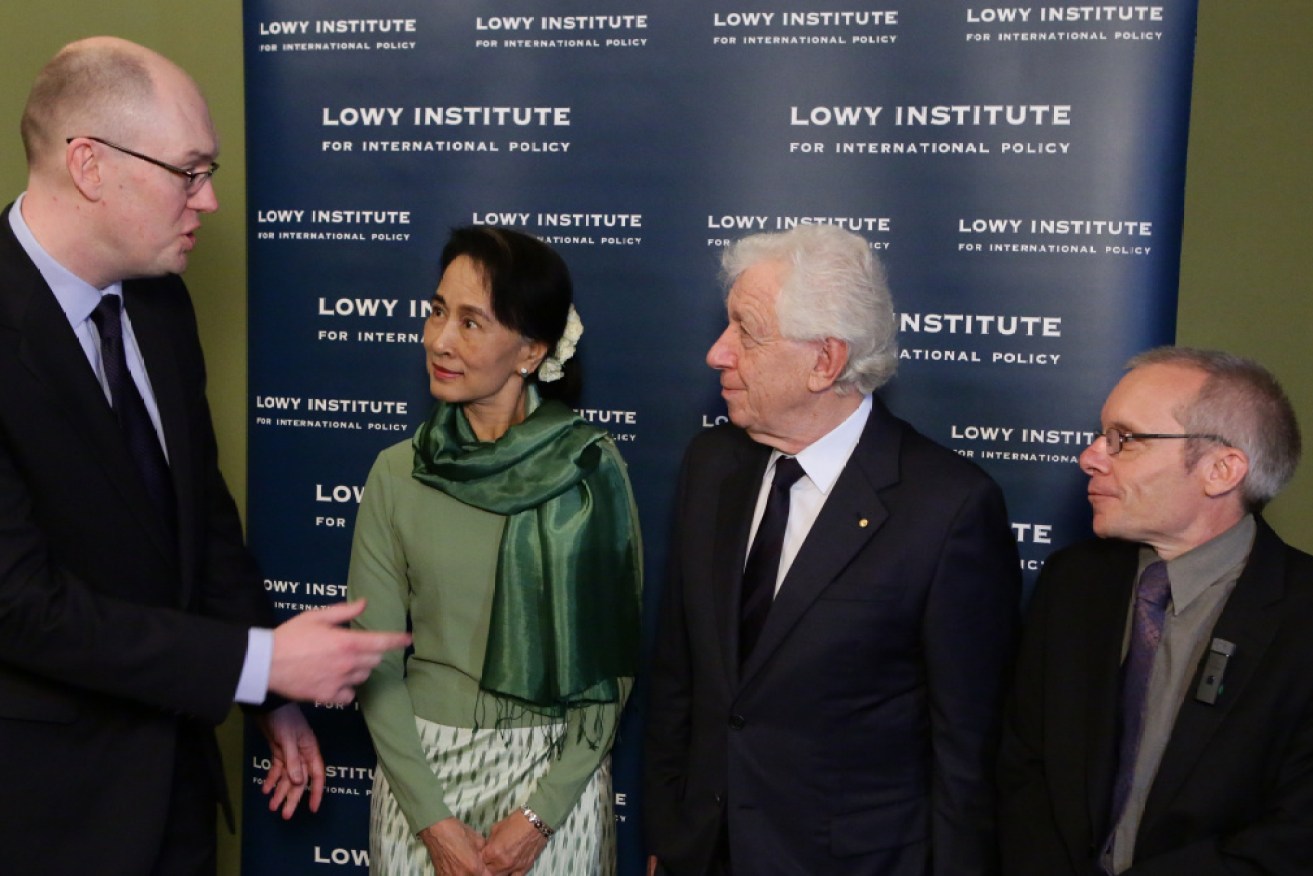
column 1019, row 168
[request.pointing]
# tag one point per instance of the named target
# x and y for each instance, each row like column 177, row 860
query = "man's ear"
column 831, row 359
column 1224, row 470
column 84, row 168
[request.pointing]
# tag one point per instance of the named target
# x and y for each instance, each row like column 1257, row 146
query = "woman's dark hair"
column 529, row 287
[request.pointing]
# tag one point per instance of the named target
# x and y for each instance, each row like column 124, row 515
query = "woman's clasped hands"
column 510, row 848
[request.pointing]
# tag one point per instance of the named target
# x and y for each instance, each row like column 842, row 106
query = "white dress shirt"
column 822, row 462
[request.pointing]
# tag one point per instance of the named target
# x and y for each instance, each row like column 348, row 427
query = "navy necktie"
column 1151, row 595
column 763, row 566
column 138, row 429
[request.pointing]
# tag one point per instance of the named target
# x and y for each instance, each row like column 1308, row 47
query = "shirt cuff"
column 253, row 685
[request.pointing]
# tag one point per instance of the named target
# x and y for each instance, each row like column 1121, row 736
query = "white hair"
column 835, row 288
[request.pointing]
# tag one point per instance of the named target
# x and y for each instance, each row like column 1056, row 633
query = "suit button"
column 718, row 798
column 736, row 722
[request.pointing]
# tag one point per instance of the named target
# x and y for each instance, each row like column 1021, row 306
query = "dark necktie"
column 138, row 430
column 763, row 565
column 1151, row 596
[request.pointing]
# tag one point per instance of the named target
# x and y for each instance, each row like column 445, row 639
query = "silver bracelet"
column 538, row 824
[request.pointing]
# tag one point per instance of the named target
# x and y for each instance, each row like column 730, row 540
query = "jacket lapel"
column 1095, row 728
column 851, row 516
column 738, row 499
column 54, row 357
column 155, row 340
column 1250, row 620
column 51, row 352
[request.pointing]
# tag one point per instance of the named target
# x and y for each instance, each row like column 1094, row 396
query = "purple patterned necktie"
column 1151, row 596
column 763, row 566
column 138, row 429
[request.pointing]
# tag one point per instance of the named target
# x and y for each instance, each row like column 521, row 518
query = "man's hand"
column 513, row 845
column 316, row 660
column 296, row 761
column 454, row 848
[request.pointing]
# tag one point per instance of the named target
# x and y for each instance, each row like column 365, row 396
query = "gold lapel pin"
column 863, row 523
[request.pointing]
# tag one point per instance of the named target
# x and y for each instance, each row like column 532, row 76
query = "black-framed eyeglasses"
column 1116, row 439
column 195, row 178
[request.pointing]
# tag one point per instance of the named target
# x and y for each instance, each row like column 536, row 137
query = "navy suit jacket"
column 859, row 736
column 1234, row 792
column 114, row 639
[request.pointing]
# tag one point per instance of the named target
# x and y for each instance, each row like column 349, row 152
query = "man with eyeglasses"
column 1161, row 720
column 132, row 616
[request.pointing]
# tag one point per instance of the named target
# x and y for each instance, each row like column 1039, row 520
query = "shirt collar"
column 76, row 297
column 824, row 459
column 1217, row 561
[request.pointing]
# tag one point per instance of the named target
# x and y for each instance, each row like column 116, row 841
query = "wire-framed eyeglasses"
column 195, row 178
column 1116, row 439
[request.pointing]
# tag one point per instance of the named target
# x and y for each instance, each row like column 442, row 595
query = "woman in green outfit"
column 505, row 535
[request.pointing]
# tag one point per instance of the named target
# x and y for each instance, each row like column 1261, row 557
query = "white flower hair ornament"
column 553, row 366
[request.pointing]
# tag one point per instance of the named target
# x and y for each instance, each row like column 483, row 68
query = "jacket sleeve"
column 1029, row 839
column 669, row 720
column 969, row 633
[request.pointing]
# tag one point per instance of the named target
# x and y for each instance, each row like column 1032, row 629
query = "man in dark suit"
column 844, row 723
column 131, row 615
column 1162, row 717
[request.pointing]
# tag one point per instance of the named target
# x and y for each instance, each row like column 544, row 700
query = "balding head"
column 101, row 86
column 116, row 136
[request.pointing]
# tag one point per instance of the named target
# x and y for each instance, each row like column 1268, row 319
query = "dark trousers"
column 189, row 844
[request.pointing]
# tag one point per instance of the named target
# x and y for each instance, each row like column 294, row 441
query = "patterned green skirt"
column 488, row 774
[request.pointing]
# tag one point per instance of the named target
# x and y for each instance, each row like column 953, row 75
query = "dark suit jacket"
column 113, row 639
column 1234, row 792
column 859, row 736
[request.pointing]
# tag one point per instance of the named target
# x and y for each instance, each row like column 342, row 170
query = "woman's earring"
column 524, row 372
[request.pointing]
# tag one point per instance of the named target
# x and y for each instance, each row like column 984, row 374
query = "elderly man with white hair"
column 842, row 602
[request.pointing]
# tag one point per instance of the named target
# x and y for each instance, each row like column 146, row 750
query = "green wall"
column 1249, row 198
column 1247, row 265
